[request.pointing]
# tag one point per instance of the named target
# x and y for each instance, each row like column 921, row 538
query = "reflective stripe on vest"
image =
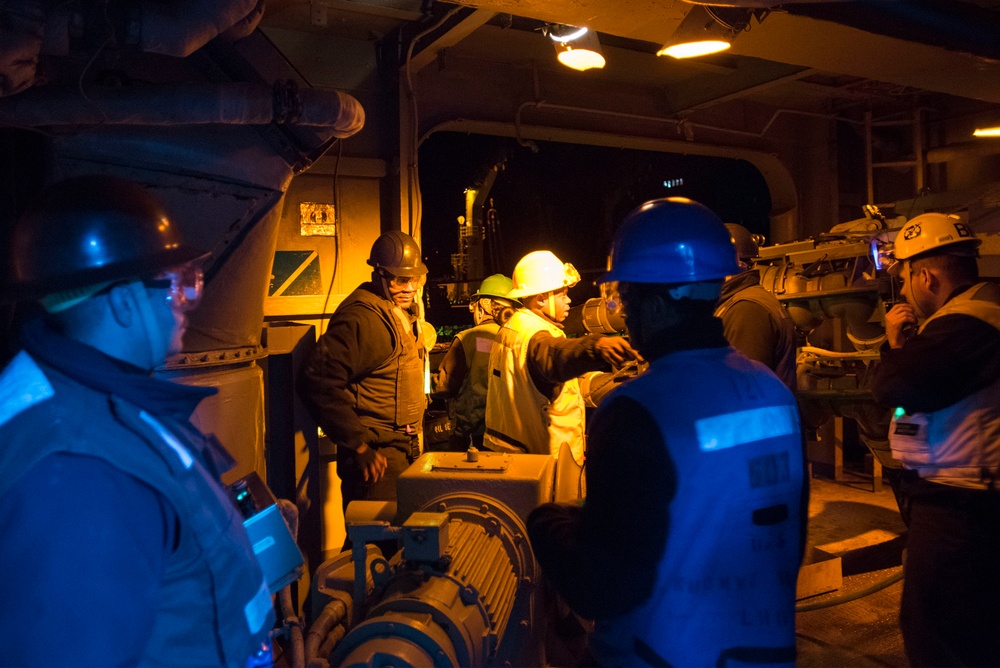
column 726, row 582
column 958, row 445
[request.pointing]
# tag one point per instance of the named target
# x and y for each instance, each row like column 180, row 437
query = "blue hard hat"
column 671, row 240
column 87, row 231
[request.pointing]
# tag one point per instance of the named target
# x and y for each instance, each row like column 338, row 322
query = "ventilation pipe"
column 187, row 104
column 31, row 28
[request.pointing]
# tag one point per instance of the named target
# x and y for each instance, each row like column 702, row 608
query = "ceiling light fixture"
column 576, row 47
column 991, row 129
column 708, row 30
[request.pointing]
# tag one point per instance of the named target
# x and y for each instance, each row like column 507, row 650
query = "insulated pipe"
column 22, row 30
column 187, row 104
column 181, row 28
column 31, row 27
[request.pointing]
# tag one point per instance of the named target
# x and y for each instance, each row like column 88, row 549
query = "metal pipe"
column 679, row 123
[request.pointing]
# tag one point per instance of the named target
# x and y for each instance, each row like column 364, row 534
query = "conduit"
column 187, row 104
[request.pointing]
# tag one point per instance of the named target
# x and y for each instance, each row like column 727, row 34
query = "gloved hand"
column 371, row 462
column 615, row 350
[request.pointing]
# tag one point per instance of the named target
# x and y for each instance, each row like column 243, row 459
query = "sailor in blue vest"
column 687, row 547
column 120, row 546
column 941, row 373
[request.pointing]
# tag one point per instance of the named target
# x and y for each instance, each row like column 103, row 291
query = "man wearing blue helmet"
column 709, row 445
column 120, row 546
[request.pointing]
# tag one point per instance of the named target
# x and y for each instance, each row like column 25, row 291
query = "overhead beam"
column 832, row 47
column 450, row 37
column 737, row 88
column 786, row 38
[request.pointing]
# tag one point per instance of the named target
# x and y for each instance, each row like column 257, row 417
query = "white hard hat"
column 539, row 272
column 930, row 231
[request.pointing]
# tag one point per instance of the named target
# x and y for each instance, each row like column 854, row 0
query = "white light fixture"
column 577, row 48
column 707, row 30
column 988, row 130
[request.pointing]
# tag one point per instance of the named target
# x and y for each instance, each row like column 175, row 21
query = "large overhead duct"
column 186, row 104
column 30, row 29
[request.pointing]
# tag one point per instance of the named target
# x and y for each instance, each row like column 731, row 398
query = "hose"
column 821, row 352
column 291, row 622
column 851, row 596
column 333, row 615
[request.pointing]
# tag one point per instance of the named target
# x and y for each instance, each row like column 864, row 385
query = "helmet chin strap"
column 550, row 307
column 385, row 286
column 154, row 333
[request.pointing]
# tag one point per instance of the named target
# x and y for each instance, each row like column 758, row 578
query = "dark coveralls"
column 363, row 383
column 120, row 546
column 756, row 325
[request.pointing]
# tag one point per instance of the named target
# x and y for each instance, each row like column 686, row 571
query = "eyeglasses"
column 405, row 282
column 184, row 286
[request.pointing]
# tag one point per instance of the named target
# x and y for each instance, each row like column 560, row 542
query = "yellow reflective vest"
column 519, row 418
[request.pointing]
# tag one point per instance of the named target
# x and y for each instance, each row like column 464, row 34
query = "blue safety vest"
column 725, row 586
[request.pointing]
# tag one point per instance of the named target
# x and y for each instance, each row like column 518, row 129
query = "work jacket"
column 392, row 396
column 725, row 584
column 520, row 418
column 771, row 332
column 214, row 605
column 958, row 445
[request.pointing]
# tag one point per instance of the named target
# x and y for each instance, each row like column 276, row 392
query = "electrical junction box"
column 521, row 482
column 425, row 537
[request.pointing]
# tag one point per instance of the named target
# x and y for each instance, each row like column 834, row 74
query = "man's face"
column 558, row 305
column 173, row 322
column 402, row 289
column 171, row 294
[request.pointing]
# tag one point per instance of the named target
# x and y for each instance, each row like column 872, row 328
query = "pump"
column 464, row 588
